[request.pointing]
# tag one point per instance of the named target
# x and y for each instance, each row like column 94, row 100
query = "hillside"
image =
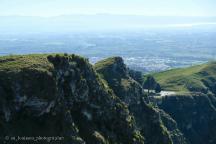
column 60, row 96
column 195, row 115
column 65, row 97
column 155, row 125
column 199, row 78
column 193, row 107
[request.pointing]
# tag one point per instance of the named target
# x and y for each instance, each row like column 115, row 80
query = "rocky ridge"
column 148, row 119
column 61, row 95
column 65, row 96
column 195, row 115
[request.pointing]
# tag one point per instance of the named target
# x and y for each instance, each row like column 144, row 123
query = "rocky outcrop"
column 61, row 96
column 148, row 119
column 176, row 135
column 195, row 115
column 62, row 99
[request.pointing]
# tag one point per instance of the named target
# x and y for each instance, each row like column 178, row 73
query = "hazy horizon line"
column 108, row 14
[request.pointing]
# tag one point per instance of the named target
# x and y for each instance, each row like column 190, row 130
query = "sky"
column 123, row 7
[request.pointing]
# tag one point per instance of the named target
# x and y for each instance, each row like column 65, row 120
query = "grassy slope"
column 105, row 63
column 30, row 74
column 18, row 62
column 115, row 74
column 106, row 67
column 33, row 71
column 192, row 78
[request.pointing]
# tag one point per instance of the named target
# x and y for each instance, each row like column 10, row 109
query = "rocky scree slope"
column 61, row 95
column 148, row 119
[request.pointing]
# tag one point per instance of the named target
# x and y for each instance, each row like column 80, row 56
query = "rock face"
column 65, row 97
column 176, row 135
column 62, row 96
column 195, row 115
column 148, row 119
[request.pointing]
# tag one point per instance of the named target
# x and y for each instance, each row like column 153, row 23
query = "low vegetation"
column 199, row 78
column 64, row 95
column 19, row 62
column 61, row 95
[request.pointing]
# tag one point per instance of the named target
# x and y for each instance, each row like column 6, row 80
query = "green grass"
column 19, row 62
column 106, row 63
column 31, row 73
column 114, row 71
column 195, row 78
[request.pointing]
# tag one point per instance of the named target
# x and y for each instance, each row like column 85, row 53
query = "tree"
column 158, row 88
column 137, row 76
column 213, row 89
column 149, row 83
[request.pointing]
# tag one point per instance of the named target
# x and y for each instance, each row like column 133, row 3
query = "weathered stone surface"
column 65, row 98
column 195, row 115
column 148, row 119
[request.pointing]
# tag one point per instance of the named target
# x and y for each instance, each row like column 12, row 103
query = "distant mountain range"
column 67, row 23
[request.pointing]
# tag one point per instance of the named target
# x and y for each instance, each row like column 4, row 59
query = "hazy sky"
column 133, row 7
